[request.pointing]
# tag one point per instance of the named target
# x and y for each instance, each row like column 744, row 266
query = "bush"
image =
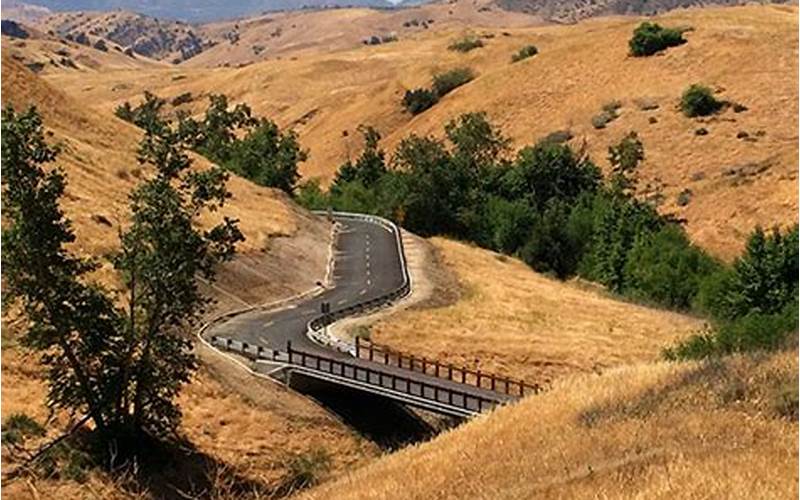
column 466, row 44
column 649, row 38
column 524, row 53
column 601, row 120
column 183, row 98
column 444, row 83
column 17, row 427
column 666, row 268
column 305, row 470
column 753, row 332
column 310, row 195
column 418, row 100
column 699, row 100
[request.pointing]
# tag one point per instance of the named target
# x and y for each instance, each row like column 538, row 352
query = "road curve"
column 366, row 265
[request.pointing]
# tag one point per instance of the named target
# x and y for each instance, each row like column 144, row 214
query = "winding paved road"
column 366, row 265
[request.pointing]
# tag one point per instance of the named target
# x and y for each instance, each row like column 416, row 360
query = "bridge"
column 370, row 272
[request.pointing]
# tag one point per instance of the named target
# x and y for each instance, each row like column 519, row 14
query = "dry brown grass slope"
column 512, row 320
column 749, row 54
column 253, row 434
column 295, row 34
column 718, row 430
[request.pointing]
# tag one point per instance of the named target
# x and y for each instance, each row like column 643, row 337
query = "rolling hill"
column 742, row 172
column 615, row 421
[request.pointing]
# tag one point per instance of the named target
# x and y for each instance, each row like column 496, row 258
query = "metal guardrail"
column 315, row 326
column 409, row 390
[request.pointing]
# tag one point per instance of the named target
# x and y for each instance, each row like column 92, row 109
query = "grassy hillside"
column 716, row 430
column 521, row 323
column 238, row 426
column 730, row 183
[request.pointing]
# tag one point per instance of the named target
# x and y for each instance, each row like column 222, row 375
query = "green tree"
column 476, row 141
column 370, row 165
column 72, row 325
column 163, row 253
column 437, row 189
column 147, row 115
column 124, row 365
column 553, row 245
column 664, row 267
column 267, row 156
column 764, row 279
column 550, row 171
column 216, row 134
column 624, row 158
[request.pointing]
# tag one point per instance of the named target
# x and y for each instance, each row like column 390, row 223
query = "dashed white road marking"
column 342, row 301
column 362, row 292
column 369, row 282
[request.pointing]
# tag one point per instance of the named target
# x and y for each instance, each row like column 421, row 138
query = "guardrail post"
column 371, row 352
column 358, row 346
column 449, row 371
column 425, row 365
column 228, row 344
column 463, row 375
column 493, row 382
column 437, row 368
column 386, row 357
column 478, row 383
column 521, row 389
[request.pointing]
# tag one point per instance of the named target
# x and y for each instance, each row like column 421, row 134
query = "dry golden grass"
column 748, row 53
column 99, row 158
column 299, row 33
column 648, row 431
column 514, row 321
column 253, row 435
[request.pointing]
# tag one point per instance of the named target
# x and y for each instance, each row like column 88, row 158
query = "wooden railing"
column 377, row 353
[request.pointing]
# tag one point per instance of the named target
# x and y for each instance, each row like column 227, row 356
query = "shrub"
column 18, row 426
column 684, row 197
column 524, row 53
column 311, row 196
column 649, row 38
column 753, row 332
column 699, row 100
column 466, row 44
column 184, row 98
column 418, row 100
column 601, row 120
column 446, row 82
column 305, row 470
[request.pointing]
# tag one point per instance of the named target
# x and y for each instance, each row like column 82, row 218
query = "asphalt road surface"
column 366, row 265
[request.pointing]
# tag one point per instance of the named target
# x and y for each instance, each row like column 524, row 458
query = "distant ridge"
column 200, row 10
column 569, row 11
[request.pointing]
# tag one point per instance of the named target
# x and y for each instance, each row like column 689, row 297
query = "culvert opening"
column 387, row 423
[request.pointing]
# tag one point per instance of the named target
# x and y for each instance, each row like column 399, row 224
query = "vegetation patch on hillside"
column 650, row 38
